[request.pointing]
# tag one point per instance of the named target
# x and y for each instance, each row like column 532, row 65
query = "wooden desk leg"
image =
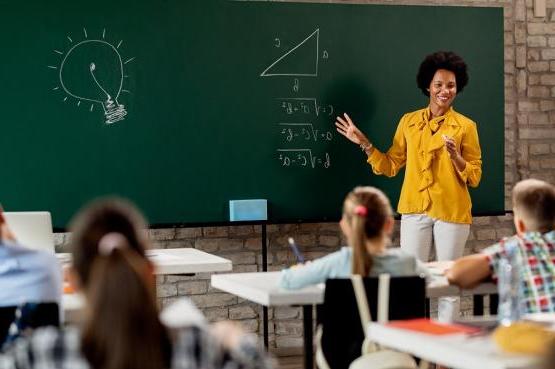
column 265, row 325
column 307, row 328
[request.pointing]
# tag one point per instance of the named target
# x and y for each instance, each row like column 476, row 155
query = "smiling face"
column 443, row 89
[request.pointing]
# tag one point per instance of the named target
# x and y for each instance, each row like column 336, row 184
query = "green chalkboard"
column 182, row 106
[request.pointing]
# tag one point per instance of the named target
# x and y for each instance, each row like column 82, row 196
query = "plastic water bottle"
column 509, row 288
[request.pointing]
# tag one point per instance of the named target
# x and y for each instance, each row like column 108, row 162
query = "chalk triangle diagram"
column 301, row 60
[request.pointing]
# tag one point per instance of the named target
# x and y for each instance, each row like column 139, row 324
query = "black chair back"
column 27, row 316
column 342, row 335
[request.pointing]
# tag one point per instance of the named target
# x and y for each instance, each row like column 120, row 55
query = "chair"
column 342, row 334
column 16, row 319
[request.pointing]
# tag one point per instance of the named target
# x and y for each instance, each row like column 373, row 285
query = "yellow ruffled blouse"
column 432, row 183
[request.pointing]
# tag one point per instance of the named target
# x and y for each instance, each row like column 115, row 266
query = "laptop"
column 32, row 229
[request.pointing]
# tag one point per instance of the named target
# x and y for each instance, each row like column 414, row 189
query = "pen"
column 295, row 249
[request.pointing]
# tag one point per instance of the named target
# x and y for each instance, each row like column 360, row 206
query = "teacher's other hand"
column 347, row 128
column 451, row 147
column 454, row 154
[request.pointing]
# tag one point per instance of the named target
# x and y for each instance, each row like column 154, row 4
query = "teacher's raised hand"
column 347, row 128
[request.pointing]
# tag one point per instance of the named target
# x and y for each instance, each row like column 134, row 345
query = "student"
column 27, row 277
column 121, row 329
column 367, row 223
column 534, row 242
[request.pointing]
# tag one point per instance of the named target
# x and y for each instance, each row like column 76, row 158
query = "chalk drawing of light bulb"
column 93, row 70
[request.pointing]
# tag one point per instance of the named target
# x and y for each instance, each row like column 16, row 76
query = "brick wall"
column 529, row 152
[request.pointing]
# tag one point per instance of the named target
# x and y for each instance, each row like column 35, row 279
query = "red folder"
column 431, row 327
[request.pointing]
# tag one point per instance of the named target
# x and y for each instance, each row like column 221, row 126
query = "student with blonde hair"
column 534, row 244
column 121, row 328
column 367, row 223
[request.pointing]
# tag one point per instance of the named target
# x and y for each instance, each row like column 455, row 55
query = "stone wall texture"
column 529, row 152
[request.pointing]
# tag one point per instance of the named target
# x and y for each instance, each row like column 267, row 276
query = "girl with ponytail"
column 367, row 224
column 121, row 328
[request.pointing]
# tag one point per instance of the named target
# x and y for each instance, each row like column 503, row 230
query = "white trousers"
column 418, row 232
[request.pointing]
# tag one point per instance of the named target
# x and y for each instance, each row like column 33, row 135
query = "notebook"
column 428, row 326
column 32, row 229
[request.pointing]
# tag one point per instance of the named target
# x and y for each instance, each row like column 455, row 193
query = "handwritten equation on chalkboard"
column 303, row 131
column 304, row 106
column 300, row 127
column 303, row 158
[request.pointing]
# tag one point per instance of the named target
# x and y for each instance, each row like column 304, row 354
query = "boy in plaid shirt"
column 534, row 244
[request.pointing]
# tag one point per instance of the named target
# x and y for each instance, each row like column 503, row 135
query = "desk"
column 166, row 261
column 178, row 261
column 458, row 351
column 263, row 288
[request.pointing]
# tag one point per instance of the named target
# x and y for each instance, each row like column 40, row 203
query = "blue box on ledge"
column 248, row 210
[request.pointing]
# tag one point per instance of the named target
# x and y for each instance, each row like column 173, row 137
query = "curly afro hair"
column 441, row 60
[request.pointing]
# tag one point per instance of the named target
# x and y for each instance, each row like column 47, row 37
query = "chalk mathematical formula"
column 303, row 158
column 304, row 130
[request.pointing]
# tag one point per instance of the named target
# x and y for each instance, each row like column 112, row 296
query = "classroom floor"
column 290, row 362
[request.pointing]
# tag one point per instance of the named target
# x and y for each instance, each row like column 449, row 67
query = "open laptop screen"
column 32, row 229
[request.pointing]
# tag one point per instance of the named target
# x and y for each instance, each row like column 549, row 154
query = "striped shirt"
column 535, row 253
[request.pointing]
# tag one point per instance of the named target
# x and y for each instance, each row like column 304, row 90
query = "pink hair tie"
column 111, row 241
column 361, row 210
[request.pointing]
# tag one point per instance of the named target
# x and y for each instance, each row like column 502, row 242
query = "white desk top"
column 439, row 286
column 179, row 261
column 187, row 260
column 458, row 351
column 263, row 288
column 166, row 261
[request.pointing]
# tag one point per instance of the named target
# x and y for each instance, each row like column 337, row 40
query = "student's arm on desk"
column 469, row 271
column 330, row 266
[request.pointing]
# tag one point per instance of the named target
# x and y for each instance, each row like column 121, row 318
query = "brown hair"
column 366, row 210
column 534, row 202
column 97, row 219
column 122, row 329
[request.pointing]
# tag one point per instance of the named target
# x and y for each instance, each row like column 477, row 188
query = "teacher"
column 441, row 151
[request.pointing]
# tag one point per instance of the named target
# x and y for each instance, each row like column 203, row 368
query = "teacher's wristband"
column 364, row 147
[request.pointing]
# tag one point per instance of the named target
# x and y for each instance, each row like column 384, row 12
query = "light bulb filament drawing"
column 113, row 111
column 93, row 70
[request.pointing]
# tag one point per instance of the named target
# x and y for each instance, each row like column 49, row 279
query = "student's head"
column 441, row 76
column 534, row 206
column 121, row 328
column 110, row 215
column 367, row 222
